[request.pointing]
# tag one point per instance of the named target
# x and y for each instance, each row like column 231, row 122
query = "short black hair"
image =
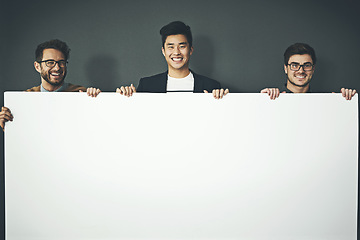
column 301, row 49
column 55, row 44
column 175, row 28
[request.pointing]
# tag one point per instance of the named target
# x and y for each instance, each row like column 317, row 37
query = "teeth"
column 177, row 59
column 55, row 74
column 300, row 76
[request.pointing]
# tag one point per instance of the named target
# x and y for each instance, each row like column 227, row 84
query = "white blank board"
column 181, row 166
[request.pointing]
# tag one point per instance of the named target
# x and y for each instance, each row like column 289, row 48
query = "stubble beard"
column 46, row 76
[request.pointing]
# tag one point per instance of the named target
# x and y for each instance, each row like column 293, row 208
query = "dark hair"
column 299, row 48
column 55, row 44
column 175, row 28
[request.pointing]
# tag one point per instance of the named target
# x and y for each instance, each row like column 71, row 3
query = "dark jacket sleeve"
column 140, row 87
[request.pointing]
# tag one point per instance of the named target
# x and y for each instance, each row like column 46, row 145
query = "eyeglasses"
column 52, row 63
column 296, row 66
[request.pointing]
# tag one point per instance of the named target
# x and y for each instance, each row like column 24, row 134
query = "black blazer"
column 157, row 83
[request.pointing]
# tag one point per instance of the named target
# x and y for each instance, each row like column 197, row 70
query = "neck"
column 297, row 89
column 178, row 73
column 50, row 87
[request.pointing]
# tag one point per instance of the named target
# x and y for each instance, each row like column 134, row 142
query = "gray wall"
column 238, row 42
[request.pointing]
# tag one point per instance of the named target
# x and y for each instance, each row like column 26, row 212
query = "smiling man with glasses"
column 51, row 62
column 299, row 67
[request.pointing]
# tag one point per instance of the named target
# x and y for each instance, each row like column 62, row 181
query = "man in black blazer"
column 177, row 49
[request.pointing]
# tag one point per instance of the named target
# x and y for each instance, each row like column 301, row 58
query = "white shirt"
column 185, row 84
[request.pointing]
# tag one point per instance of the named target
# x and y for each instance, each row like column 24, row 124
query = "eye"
column 170, row 47
column 50, row 63
column 294, row 65
column 62, row 63
column 182, row 46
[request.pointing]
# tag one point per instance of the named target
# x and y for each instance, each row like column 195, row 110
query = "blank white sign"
column 181, row 166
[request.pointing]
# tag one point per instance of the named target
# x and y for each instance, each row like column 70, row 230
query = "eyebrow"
column 181, row 43
column 300, row 64
column 53, row 60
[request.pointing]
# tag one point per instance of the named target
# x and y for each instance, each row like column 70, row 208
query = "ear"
column 191, row 50
column 163, row 51
column 37, row 66
column 285, row 69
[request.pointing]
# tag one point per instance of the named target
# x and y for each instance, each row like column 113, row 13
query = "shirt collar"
column 60, row 89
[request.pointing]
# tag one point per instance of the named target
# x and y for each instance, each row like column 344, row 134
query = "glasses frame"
column 302, row 66
column 56, row 62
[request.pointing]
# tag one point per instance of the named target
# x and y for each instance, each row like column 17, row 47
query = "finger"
column 352, row 94
column 81, row 91
column 347, row 94
column 272, row 95
column 6, row 117
column 265, row 90
column 127, row 91
column 6, row 114
column 122, row 90
column 97, row 92
column 216, row 93
column 93, row 92
column 221, row 93
column 133, row 88
column 277, row 94
column 118, row 90
column 206, row 91
column 5, row 109
column 343, row 92
column 226, row 91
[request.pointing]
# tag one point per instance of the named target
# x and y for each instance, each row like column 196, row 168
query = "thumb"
column 206, row 91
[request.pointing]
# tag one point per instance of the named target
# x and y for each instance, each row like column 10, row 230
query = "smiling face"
column 177, row 52
column 299, row 79
column 51, row 78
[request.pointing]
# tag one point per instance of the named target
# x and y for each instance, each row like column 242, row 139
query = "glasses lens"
column 62, row 63
column 50, row 64
column 294, row 66
column 308, row 67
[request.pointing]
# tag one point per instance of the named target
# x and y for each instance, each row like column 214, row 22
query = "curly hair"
column 55, row 44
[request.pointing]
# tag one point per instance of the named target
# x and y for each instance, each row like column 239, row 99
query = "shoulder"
column 154, row 77
column 155, row 83
column 205, row 79
column 74, row 88
column 33, row 89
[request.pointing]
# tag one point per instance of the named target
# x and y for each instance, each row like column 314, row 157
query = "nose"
column 176, row 50
column 301, row 69
column 57, row 66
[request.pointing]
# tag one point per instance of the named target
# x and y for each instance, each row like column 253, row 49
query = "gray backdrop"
column 239, row 42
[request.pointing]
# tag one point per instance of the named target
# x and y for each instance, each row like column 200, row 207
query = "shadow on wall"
column 202, row 60
column 321, row 77
column 102, row 72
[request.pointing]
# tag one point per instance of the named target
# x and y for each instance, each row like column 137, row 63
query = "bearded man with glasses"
column 51, row 62
column 299, row 67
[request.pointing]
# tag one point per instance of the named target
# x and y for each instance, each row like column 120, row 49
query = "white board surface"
column 181, row 166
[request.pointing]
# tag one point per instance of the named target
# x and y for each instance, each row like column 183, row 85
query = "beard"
column 46, row 76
